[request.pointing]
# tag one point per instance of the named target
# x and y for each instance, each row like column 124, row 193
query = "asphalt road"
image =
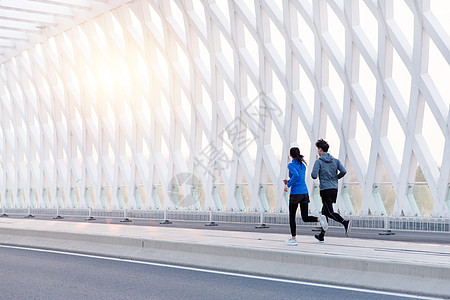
column 400, row 235
column 29, row 274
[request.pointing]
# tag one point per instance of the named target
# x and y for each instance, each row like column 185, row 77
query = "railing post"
column 90, row 217
column 58, row 201
column 217, row 203
column 265, row 204
column 166, row 220
column 211, row 222
column 125, row 218
column 3, row 210
column 387, row 227
column 87, row 197
column 4, row 203
column 261, row 218
column 125, row 206
column 29, row 205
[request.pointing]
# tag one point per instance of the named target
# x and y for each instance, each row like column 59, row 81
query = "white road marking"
column 331, row 286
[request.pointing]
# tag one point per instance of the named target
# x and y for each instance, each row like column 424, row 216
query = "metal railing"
column 385, row 223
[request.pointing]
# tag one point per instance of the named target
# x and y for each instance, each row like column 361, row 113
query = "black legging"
column 304, row 212
column 327, row 210
column 328, row 198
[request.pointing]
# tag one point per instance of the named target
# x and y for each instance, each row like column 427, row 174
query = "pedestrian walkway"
column 387, row 265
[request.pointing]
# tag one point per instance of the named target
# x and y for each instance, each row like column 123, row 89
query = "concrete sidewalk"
column 397, row 266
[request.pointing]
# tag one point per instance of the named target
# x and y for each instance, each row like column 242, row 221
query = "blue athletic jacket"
column 296, row 181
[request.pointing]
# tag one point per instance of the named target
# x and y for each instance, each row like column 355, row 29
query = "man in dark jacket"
column 329, row 170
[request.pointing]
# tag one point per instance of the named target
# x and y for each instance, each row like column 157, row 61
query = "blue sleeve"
column 294, row 175
column 342, row 170
column 315, row 170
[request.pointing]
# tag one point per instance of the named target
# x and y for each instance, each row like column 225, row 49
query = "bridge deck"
column 422, row 268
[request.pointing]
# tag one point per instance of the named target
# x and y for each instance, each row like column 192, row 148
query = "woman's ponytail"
column 295, row 153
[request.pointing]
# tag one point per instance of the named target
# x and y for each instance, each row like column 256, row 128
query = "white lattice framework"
column 108, row 113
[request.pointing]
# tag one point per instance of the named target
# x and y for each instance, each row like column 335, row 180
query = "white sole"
column 349, row 228
column 325, row 228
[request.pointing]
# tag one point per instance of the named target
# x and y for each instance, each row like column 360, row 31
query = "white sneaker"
column 347, row 226
column 291, row 242
column 323, row 222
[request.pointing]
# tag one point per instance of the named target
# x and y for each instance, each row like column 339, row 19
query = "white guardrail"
column 384, row 223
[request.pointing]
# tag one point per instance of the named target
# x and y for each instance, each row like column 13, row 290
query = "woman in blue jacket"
column 299, row 195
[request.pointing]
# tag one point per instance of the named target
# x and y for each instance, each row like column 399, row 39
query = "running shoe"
column 291, row 242
column 319, row 237
column 347, row 226
column 323, row 222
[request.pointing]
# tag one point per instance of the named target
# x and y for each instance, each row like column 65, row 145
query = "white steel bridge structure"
column 192, row 105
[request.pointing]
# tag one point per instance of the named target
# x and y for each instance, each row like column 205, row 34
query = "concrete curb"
column 395, row 276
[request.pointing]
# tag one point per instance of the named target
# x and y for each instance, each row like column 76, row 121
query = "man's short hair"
column 322, row 145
